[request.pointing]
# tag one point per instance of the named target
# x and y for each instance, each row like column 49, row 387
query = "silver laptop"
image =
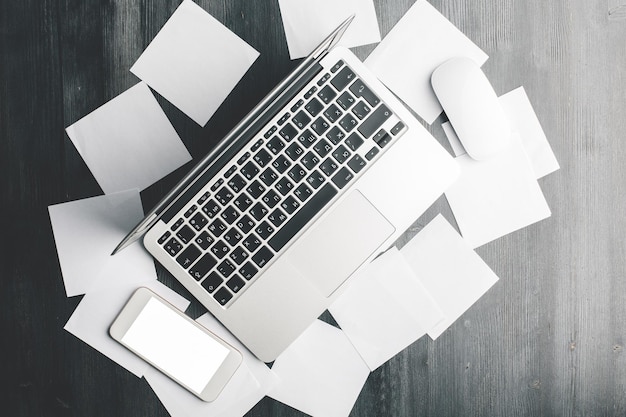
column 324, row 174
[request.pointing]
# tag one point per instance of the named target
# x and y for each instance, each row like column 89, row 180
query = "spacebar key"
column 302, row 217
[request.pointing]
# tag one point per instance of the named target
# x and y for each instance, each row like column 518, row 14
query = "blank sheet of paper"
column 452, row 273
column 309, row 22
column 524, row 121
column 250, row 383
column 86, row 232
column 128, row 142
column 321, row 373
column 385, row 309
column 405, row 59
column 495, row 197
column 194, row 62
column 93, row 317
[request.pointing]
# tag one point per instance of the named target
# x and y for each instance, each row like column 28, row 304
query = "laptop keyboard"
column 273, row 188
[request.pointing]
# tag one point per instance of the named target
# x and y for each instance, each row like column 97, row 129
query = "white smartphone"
column 179, row 347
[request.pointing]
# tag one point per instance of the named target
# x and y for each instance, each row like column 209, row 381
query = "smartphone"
column 176, row 345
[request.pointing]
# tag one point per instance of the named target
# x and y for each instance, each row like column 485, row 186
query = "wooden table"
column 547, row 339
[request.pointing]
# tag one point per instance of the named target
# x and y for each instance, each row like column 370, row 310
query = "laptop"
column 318, row 179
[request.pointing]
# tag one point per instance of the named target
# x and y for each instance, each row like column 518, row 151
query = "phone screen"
column 175, row 345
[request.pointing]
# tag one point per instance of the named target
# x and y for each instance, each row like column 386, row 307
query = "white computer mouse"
column 472, row 107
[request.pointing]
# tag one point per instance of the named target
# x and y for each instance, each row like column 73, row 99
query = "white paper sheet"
column 453, row 274
column 309, row 22
column 93, row 317
column 248, row 386
column 524, row 121
column 194, row 62
column 86, row 232
column 405, row 59
column 385, row 309
column 128, row 142
column 321, row 373
column 495, row 197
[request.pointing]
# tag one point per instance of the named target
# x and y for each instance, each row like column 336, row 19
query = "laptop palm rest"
column 338, row 244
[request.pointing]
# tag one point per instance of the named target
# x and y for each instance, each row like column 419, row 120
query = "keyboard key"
column 249, row 170
column 354, row 141
column 283, row 119
column 243, row 158
column 229, row 214
column 329, row 166
column 301, row 119
column 336, row 67
column 217, row 184
column 345, row 100
column 356, row 164
column 307, row 138
column 212, row 282
column 262, row 158
column 255, row 189
column 178, row 223
column 188, row 256
column 202, row 267
column 315, row 179
column 190, row 211
column 284, row 186
column 270, row 132
column 294, row 151
column 204, row 198
column 320, row 125
column 223, row 296
column 259, row 142
column 237, row 183
column 343, row 78
column 220, row 249
column 164, row 237
column 281, row 164
column 333, row 113
column 289, row 205
column 322, row 80
column 341, row 154
column 302, row 217
column 374, row 121
column 242, row 202
column 277, row 217
column 335, row 135
column 262, row 257
column 245, row 224
column 297, row 105
column 172, row 246
column 322, row 147
column 224, row 195
column 309, row 93
column 230, row 171
column 271, row 198
column 226, row 268
column 361, row 110
column 296, row 173
column 235, row 284
column 382, row 138
column 211, row 208
column 397, row 128
column 371, row 153
column 314, row 107
column 251, row 243
column 327, row 94
column 217, row 227
column 203, row 240
column 248, row 271
column 264, row 230
column 288, row 132
column 268, row 176
column 258, row 211
column 275, row 145
column 359, row 89
column 343, row 177
column 238, row 255
column 348, row 123
column 303, row 192
column 310, row 160
column 185, row 234
column 198, row 221
column 232, row 237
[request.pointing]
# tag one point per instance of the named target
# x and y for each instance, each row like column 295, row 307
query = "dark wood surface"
column 546, row 340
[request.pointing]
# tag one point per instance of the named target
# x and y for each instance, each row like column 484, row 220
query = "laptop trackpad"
column 338, row 244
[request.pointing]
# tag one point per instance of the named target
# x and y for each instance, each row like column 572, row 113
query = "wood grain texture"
column 547, row 340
